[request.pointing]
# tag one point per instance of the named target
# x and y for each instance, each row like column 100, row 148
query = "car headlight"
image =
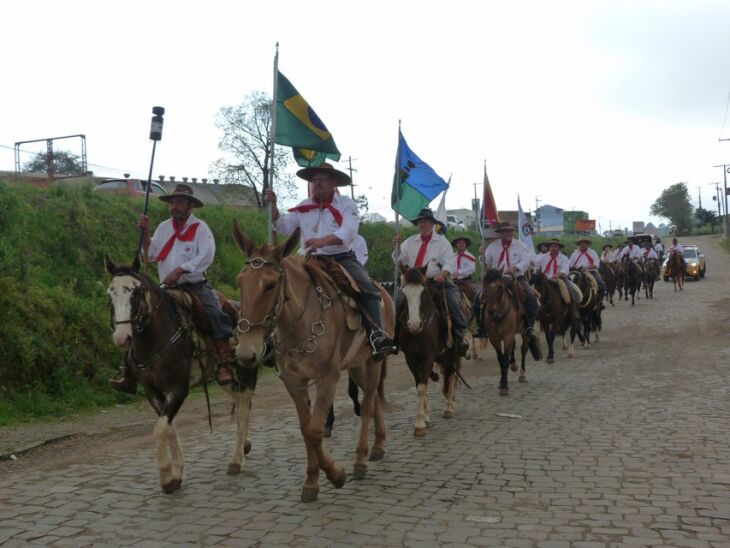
column 693, row 264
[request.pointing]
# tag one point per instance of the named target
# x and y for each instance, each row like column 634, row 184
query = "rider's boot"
column 128, row 383
column 223, row 349
column 381, row 343
column 462, row 347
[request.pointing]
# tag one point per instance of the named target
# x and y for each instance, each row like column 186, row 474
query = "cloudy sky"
column 589, row 105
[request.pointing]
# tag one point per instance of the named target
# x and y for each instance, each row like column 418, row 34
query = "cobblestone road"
column 625, row 445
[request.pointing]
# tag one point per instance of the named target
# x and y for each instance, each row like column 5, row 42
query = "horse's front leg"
column 550, row 340
column 300, row 396
column 169, row 453
column 523, row 350
column 242, row 414
column 368, row 410
column 503, row 357
column 322, row 403
column 449, row 389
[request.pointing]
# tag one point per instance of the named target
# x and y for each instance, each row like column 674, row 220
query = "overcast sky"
column 590, row 105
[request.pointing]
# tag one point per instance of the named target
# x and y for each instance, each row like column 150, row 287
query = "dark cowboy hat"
column 504, row 227
column 607, row 245
column 586, row 240
column 341, row 179
column 467, row 240
column 182, row 191
column 425, row 213
column 555, row 241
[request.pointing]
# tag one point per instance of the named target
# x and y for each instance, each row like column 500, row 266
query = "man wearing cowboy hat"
column 554, row 263
column 183, row 248
column 329, row 223
column 512, row 258
column 466, row 263
column 631, row 250
column 585, row 259
column 427, row 248
column 608, row 256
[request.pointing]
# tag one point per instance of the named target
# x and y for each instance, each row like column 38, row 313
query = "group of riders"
column 183, row 247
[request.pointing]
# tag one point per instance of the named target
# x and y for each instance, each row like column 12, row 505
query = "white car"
column 453, row 222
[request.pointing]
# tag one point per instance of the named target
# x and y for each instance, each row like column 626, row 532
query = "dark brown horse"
column 610, row 276
column 423, row 323
column 651, row 274
column 589, row 307
column 502, row 321
column 168, row 354
column 555, row 316
column 633, row 274
column 290, row 306
column 676, row 270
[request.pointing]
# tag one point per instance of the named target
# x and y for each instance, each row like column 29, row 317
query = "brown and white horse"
column 291, row 307
column 423, row 326
column 167, row 356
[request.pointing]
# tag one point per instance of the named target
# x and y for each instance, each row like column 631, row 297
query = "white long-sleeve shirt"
column 317, row 223
column 360, row 247
column 466, row 265
column 439, row 255
column 580, row 259
column 194, row 257
column 552, row 268
column 608, row 256
column 633, row 251
column 649, row 254
column 516, row 255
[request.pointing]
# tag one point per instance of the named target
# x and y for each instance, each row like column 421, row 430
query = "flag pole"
column 272, row 137
column 397, row 214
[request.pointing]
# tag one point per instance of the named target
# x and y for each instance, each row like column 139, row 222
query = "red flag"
column 489, row 207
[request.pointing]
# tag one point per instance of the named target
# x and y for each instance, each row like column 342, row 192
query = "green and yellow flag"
column 298, row 126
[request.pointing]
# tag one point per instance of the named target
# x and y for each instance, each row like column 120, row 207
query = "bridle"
column 501, row 311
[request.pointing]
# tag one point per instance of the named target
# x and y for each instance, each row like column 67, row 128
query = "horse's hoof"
column 513, row 367
column 377, row 453
column 246, row 447
column 309, row 494
column 504, row 391
column 327, row 431
column 359, row 471
column 550, row 360
column 523, row 378
column 419, row 432
column 172, row 486
column 233, row 469
column 448, row 414
column 339, row 477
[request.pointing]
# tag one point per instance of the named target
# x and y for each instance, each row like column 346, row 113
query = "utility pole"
column 717, row 198
column 725, row 220
column 699, row 194
column 351, row 169
column 475, row 205
column 537, row 214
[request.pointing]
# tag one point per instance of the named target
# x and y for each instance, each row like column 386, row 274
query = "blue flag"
column 415, row 182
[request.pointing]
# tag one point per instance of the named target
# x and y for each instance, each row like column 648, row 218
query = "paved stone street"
column 625, row 445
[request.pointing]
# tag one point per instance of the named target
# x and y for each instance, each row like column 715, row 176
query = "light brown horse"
column 676, row 270
column 502, row 321
column 423, row 324
column 168, row 354
column 291, row 307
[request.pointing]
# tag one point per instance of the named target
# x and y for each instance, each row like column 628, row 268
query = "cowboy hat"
column 607, row 245
column 182, row 191
column 467, row 240
column 556, row 242
column 504, row 227
column 341, row 178
column 425, row 213
column 586, row 240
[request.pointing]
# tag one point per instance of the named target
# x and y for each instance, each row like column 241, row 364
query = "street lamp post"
column 725, row 219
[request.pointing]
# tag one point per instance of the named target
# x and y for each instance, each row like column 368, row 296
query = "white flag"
column 440, row 214
column 525, row 228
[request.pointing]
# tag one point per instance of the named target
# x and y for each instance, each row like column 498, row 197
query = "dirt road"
column 625, row 444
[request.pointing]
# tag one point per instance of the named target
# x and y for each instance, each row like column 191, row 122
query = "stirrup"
column 380, row 343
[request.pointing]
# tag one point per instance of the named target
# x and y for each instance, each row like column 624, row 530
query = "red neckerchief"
column 187, row 236
column 504, row 256
column 321, row 205
column 553, row 261
column 422, row 250
column 646, row 253
column 583, row 253
column 461, row 254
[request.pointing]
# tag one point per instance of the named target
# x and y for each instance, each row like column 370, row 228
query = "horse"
column 290, row 306
column 651, row 273
column 502, row 321
column 610, row 276
column 555, row 316
column 620, row 279
column 589, row 307
column 425, row 338
column 168, row 352
column 676, row 270
column 632, row 277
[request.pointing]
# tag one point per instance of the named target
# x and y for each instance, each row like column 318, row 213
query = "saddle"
column 192, row 313
column 321, row 267
column 568, row 290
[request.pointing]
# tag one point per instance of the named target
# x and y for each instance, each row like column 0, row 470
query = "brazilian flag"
column 298, row 126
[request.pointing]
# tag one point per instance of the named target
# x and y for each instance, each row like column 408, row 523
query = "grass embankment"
column 55, row 339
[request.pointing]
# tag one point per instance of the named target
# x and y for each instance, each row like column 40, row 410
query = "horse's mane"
column 414, row 276
column 146, row 281
column 492, row 275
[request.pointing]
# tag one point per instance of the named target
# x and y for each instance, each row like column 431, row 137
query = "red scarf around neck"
column 554, row 263
column 504, row 256
column 463, row 254
column 320, row 205
column 422, row 250
column 187, row 236
column 583, row 253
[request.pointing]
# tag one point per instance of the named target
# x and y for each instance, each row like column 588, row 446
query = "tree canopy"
column 64, row 163
column 246, row 141
column 706, row 217
column 674, row 204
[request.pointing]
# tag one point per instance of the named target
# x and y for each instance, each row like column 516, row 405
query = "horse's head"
column 493, row 292
column 418, row 301
column 262, row 283
column 126, row 299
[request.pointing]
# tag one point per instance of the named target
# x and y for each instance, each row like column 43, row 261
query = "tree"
column 373, row 218
column 64, row 163
column 674, row 204
column 706, row 217
column 246, row 140
column 362, row 204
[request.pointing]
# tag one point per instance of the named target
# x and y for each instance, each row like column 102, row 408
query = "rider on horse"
column 649, row 255
column 511, row 258
column 183, row 248
column 466, row 263
column 659, row 248
column 679, row 250
column 329, row 224
column 427, row 248
column 632, row 251
column 585, row 259
column 608, row 256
